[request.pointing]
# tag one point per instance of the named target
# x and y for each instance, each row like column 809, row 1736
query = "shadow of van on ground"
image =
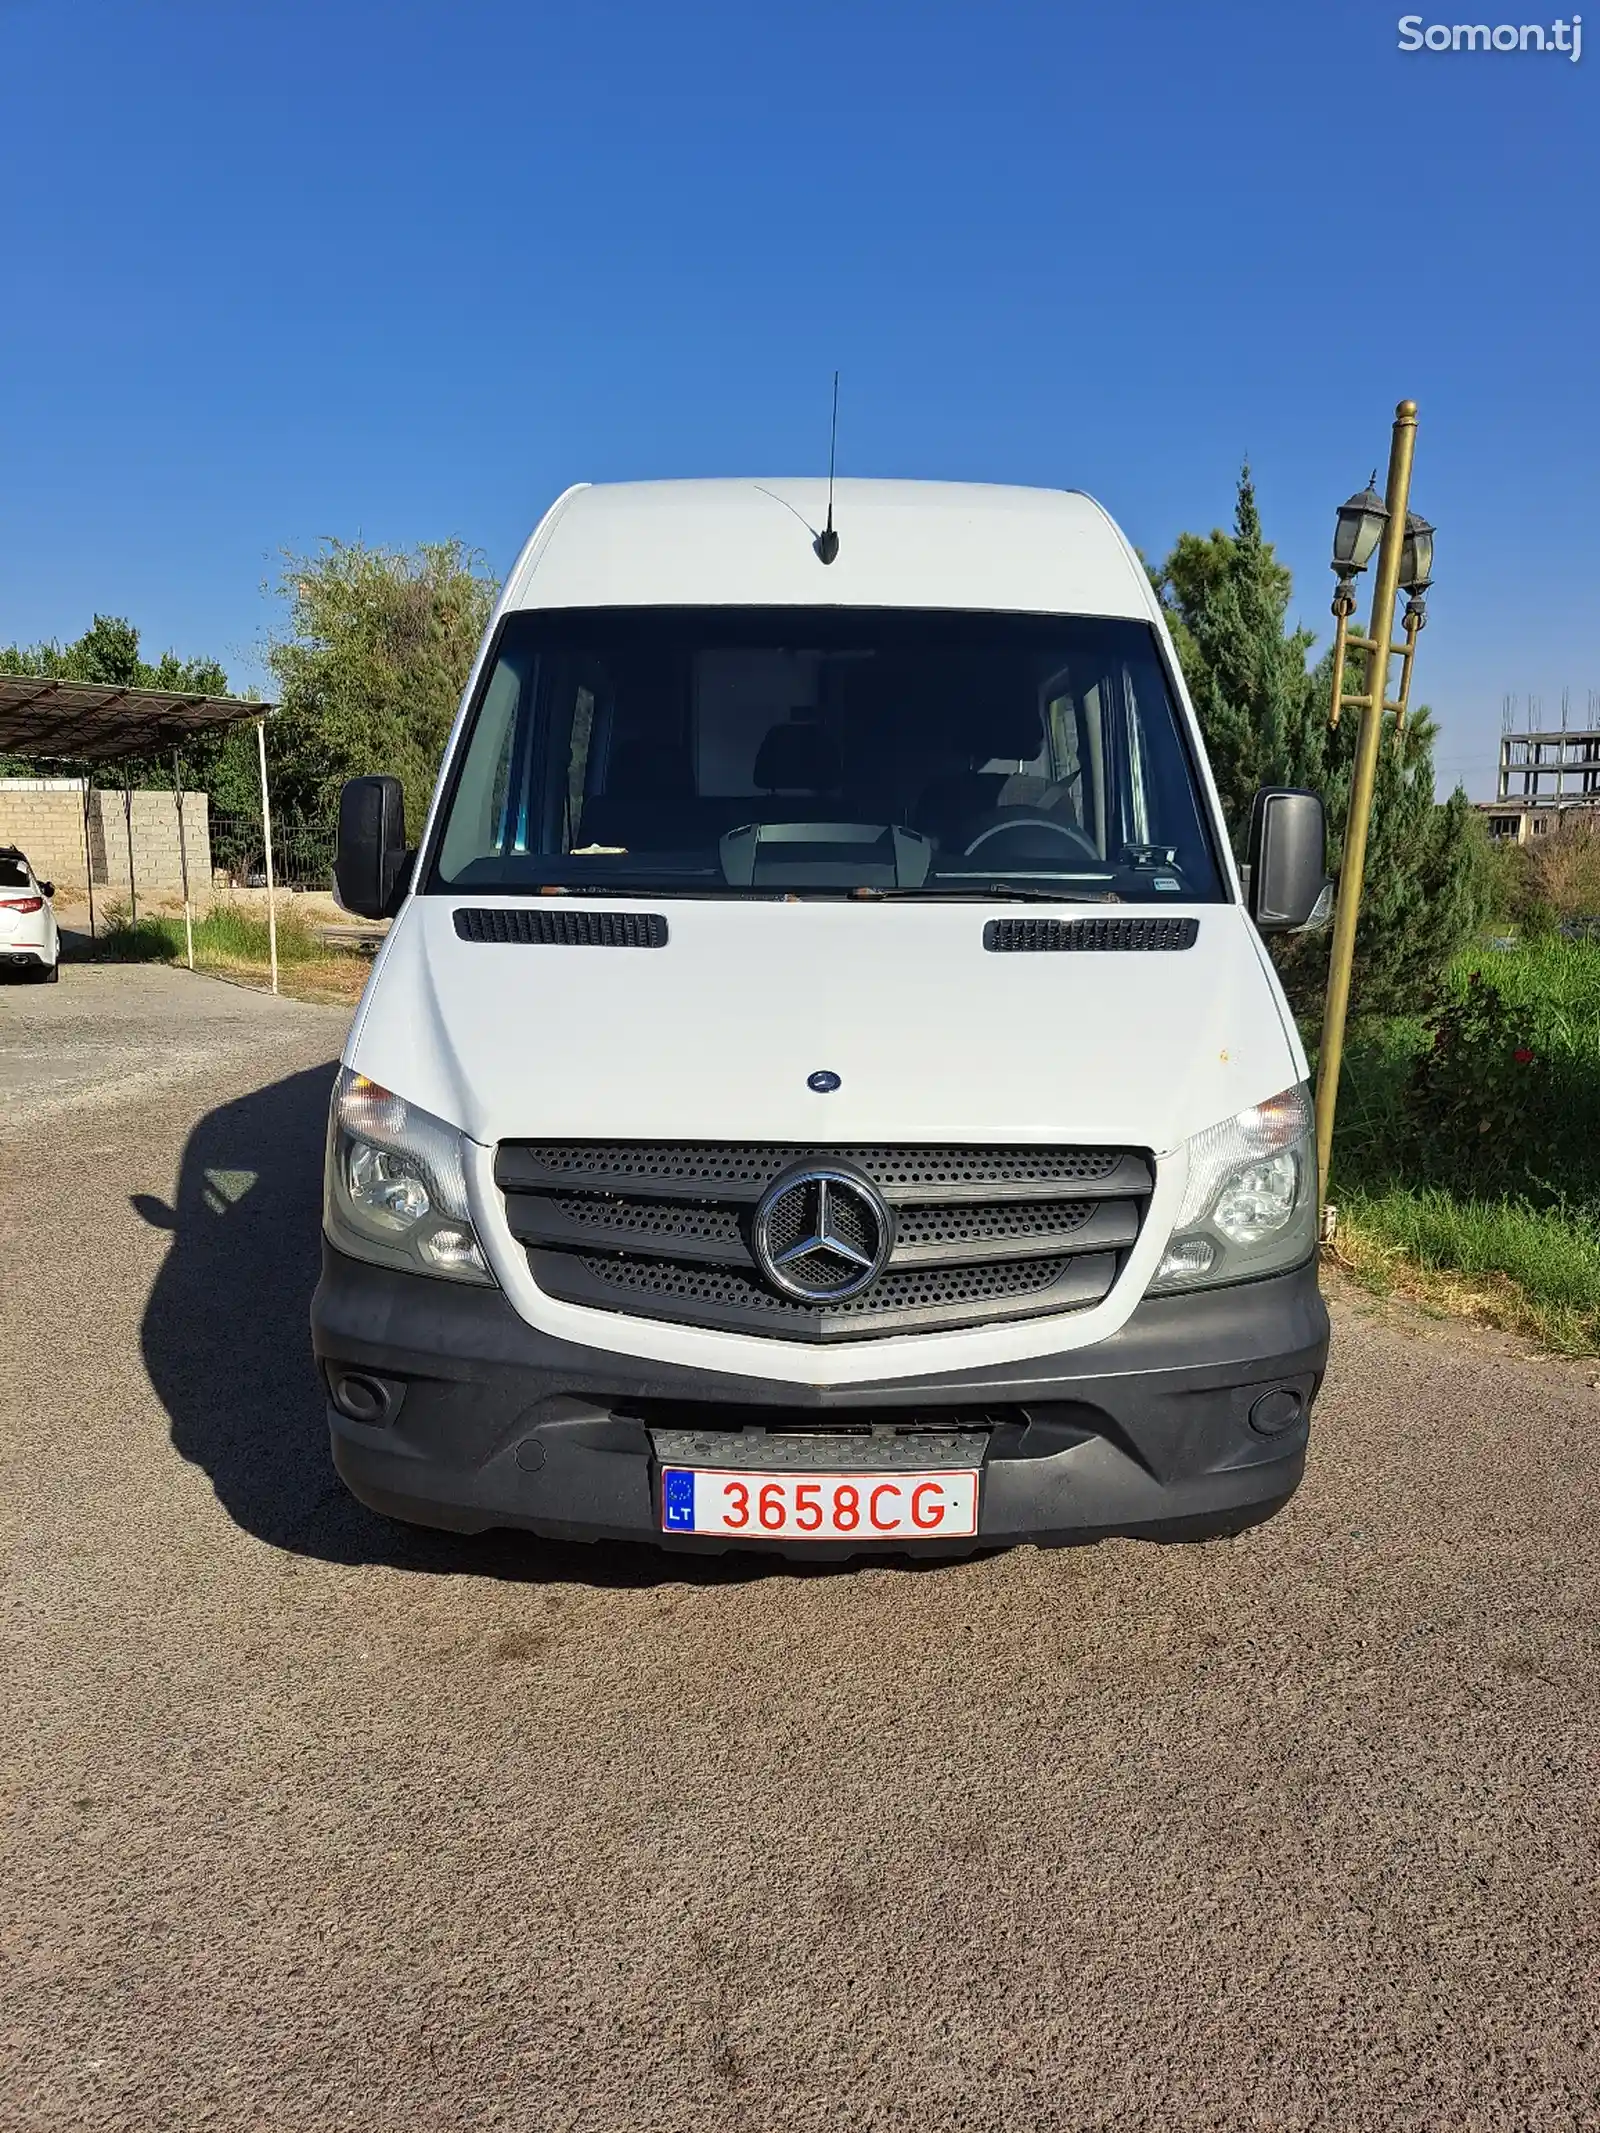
column 227, row 1344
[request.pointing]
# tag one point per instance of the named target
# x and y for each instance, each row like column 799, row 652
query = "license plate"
column 753, row 1505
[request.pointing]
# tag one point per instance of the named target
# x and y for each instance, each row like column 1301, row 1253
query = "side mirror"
column 1288, row 855
column 372, row 868
column 47, row 890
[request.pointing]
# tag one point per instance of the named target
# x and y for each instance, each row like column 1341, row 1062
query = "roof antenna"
column 826, row 543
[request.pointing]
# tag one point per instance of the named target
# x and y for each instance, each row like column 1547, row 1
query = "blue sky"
column 281, row 270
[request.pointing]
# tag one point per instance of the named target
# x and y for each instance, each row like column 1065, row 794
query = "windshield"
column 823, row 750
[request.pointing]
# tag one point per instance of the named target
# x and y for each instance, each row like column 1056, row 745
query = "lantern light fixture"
column 1416, row 556
column 1358, row 529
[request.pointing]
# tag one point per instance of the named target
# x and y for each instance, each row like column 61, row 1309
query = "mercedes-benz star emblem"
column 822, row 1235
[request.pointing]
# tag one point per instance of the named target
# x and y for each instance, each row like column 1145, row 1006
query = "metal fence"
column 302, row 853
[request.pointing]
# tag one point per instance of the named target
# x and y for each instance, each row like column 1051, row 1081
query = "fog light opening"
column 1277, row 1412
column 364, row 1399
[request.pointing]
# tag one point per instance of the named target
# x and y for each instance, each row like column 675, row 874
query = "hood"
column 933, row 1037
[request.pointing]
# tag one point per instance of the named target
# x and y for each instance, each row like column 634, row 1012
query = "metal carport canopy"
column 89, row 722
column 96, row 722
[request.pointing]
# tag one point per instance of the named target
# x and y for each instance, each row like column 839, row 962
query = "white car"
column 29, row 942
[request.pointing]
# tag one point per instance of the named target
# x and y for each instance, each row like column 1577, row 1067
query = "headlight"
column 1250, row 1204
column 1256, row 1202
column 396, row 1185
column 383, row 1187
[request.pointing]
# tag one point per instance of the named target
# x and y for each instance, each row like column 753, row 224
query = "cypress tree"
column 1227, row 599
column 1264, row 715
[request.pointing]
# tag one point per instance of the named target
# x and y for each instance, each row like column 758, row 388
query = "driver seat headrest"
column 1007, row 728
column 798, row 757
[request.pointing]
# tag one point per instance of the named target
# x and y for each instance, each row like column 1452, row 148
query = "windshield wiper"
column 776, row 892
column 677, row 887
column 990, row 892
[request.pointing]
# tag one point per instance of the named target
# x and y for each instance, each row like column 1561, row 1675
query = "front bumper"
column 447, row 1409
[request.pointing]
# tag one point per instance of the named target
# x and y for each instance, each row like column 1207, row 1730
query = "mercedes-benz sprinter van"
column 824, row 1088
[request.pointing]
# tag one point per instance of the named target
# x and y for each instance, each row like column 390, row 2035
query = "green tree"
column 371, row 668
column 1227, row 600
column 1428, row 880
column 1264, row 715
column 109, row 652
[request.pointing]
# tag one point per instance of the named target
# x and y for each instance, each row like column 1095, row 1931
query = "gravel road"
column 312, row 1822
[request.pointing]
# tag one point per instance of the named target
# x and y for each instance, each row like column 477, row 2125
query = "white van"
column 824, row 1088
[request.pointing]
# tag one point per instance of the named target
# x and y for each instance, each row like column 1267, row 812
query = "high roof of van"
column 901, row 544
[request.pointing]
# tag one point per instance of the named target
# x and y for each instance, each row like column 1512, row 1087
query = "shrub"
column 1506, row 882
column 1563, row 870
column 1505, row 1099
column 1475, row 1086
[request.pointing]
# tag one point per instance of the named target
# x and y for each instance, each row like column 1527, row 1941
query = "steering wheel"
column 1011, row 825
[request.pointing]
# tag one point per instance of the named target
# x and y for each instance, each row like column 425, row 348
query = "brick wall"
column 45, row 816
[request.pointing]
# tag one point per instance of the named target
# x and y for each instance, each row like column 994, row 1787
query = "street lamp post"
column 1404, row 545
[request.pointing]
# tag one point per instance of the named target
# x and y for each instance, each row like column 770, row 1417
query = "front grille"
column 742, row 1170
column 896, row 1302
column 642, row 1219
column 1015, row 1219
column 666, row 1230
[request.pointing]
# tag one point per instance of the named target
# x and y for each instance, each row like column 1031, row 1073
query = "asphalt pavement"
column 315, row 1822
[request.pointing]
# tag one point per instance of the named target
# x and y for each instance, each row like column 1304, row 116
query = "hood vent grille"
column 1047, row 936
column 564, row 929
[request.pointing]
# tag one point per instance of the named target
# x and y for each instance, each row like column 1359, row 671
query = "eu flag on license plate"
column 677, row 1500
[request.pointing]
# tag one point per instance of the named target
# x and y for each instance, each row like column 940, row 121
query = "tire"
column 52, row 975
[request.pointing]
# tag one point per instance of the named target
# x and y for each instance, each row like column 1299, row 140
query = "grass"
column 1527, row 1261
column 234, row 943
column 1529, row 1270
column 1373, row 1128
column 1557, row 981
